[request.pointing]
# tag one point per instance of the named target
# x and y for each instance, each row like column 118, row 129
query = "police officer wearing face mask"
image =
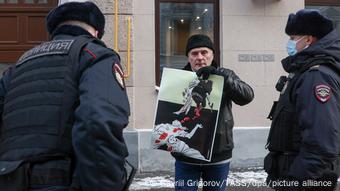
column 63, row 109
column 304, row 138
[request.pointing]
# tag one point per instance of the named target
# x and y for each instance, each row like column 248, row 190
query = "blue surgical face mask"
column 291, row 46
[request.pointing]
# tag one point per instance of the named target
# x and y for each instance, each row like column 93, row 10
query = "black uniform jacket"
column 99, row 118
column 99, row 121
column 315, row 96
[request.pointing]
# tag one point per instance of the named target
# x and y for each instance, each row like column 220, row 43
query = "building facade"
column 151, row 34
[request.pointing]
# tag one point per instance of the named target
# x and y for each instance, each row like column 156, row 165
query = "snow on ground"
column 253, row 176
column 152, row 183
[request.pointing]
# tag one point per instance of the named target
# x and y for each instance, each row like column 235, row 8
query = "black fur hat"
column 199, row 40
column 308, row 22
column 87, row 12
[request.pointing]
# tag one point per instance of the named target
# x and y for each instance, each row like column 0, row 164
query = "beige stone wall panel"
column 144, row 32
column 109, row 36
column 242, row 8
column 282, row 7
column 243, row 33
column 108, row 6
column 275, row 38
column 144, row 74
column 143, row 7
column 144, row 105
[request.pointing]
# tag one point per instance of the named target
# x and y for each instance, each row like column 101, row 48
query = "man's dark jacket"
column 234, row 90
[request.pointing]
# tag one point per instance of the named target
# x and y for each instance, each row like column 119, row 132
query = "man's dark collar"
column 70, row 30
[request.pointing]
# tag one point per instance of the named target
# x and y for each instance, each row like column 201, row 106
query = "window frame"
column 216, row 29
column 26, row 7
column 322, row 2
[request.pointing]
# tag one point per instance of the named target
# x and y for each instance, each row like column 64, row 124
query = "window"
column 176, row 21
column 19, row 3
column 330, row 8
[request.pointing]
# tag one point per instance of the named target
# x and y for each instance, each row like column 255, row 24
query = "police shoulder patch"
column 119, row 75
column 322, row 92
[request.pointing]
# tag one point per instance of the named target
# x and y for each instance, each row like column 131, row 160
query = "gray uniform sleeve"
column 97, row 134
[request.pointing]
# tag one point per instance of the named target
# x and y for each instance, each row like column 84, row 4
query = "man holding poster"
column 196, row 104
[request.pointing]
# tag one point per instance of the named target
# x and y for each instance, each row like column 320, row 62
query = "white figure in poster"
column 166, row 134
column 198, row 91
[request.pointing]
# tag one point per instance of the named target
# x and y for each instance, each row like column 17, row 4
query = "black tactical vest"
column 40, row 101
column 285, row 135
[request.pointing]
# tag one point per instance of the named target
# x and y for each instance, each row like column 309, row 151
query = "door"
column 22, row 26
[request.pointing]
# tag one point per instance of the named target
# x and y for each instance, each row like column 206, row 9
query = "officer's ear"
column 93, row 31
column 96, row 34
column 311, row 40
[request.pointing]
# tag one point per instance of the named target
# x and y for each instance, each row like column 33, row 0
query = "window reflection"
column 36, row 1
column 42, row 1
column 29, row 1
column 178, row 21
column 12, row 1
column 333, row 12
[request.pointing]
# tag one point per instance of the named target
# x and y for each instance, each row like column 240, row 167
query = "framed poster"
column 187, row 113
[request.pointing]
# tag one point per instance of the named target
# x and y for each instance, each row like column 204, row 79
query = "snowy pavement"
column 254, row 177
column 238, row 180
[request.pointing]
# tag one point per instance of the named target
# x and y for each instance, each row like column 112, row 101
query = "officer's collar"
column 293, row 64
column 70, row 30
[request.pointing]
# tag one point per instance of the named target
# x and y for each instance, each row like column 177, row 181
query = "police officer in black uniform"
column 63, row 109
column 304, row 138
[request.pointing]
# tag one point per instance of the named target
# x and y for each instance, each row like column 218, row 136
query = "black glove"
column 206, row 71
